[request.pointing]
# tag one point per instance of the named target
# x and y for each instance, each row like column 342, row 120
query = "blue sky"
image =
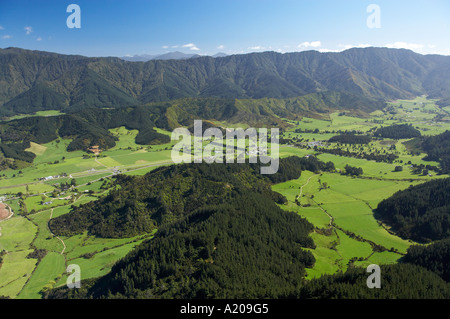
column 119, row 28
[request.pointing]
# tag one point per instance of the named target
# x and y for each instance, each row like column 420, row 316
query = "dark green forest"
column 397, row 131
column 434, row 257
column 421, row 212
column 400, row 281
column 37, row 80
column 352, row 171
column 350, row 139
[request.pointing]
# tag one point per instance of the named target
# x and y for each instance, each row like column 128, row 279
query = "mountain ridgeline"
column 35, row 80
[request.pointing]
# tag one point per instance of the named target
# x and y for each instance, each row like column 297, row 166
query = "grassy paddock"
column 46, row 273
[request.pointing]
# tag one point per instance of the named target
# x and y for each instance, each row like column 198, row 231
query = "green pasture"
column 100, row 263
column 44, row 238
column 349, row 201
column 17, row 234
column 46, row 273
column 15, row 272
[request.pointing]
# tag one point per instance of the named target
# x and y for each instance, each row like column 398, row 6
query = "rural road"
column 48, row 226
column 99, row 163
column 301, row 188
column 323, row 210
column 329, row 216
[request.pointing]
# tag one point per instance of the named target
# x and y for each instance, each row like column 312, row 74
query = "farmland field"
column 25, row 278
column 348, row 202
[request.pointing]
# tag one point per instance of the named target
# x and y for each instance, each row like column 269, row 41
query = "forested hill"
column 434, row 257
column 421, row 212
column 35, row 80
column 168, row 194
column 398, row 131
column 220, row 233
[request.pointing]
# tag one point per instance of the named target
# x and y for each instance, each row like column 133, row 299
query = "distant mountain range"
column 166, row 56
column 35, row 80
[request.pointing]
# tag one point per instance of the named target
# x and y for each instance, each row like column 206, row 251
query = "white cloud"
column 165, row 46
column 221, row 47
column 313, row 44
column 39, row 39
column 174, row 46
column 349, row 46
column 28, row 30
column 191, row 46
column 7, row 36
column 405, row 45
column 2, row 28
column 256, row 47
column 328, row 50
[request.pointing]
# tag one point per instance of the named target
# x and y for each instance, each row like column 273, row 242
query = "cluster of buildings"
column 48, row 178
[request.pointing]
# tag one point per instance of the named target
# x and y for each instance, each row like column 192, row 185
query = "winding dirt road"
column 301, row 188
column 48, row 226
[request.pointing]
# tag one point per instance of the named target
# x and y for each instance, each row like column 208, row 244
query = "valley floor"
column 340, row 207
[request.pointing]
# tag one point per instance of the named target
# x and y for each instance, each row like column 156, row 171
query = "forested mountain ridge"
column 138, row 204
column 35, row 80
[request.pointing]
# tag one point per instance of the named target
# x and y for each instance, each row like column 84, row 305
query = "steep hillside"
column 33, row 80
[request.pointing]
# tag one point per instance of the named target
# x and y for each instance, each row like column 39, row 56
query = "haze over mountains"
column 177, row 55
column 35, row 80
